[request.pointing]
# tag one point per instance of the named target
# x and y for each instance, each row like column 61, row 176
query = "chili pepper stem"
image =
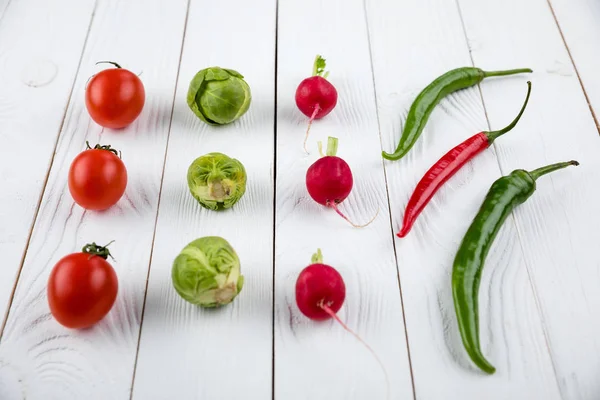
column 334, row 205
column 506, row 72
column 333, row 315
column 310, row 121
column 493, row 135
column 535, row 174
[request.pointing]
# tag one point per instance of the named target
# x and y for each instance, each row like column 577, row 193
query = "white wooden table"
column 540, row 292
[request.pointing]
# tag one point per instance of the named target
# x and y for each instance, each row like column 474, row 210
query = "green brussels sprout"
column 216, row 180
column 218, row 96
column 207, row 272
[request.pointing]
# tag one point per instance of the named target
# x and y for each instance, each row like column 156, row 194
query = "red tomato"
column 115, row 97
column 97, row 178
column 82, row 289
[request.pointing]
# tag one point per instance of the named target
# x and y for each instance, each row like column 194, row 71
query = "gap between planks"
column 45, row 183
column 587, row 99
column 274, row 200
column 137, row 350
column 512, row 214
column 387, row 194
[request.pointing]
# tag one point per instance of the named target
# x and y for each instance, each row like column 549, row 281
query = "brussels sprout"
column 207, row 272
column 218, row 96
column 216, row 180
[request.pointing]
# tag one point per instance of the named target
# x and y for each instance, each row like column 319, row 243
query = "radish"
column 329, row 180
column 320, row 293
column 316, row 96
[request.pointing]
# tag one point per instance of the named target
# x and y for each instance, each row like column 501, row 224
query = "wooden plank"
column 39, row 357
column 185, row 351
column 409, row 51
column 321, row 360
column 37, row 71
column 3, row 6
column 578, row 22
column 558, row 225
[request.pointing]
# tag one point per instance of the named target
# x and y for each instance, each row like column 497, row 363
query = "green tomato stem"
column 104, row 147
column 101, row 251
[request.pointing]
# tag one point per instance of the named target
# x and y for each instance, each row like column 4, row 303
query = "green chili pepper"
column 504, row 195
column 421, row 108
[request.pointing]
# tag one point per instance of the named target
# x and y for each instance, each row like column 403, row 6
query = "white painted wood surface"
column 216, row 354
column 39, row 358
column 578, row 23
column 557, row 226
column 540, row 290
column 306, row 351
column 426, row 255
column 35, row 87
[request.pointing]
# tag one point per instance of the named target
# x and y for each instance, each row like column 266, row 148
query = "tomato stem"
column 103, row 147
column 109, row 62
column 101, row 251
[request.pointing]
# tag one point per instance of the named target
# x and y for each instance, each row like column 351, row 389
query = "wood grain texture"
column 578, row 21
column 321, row 360
column 557, row 226
column 39, row 359
column 3, row 6
column 185, row 351
column 34, row 89
column 413, row 42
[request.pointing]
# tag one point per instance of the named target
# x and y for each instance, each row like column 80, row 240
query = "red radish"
column 329, row 180
column 320, row 293
column 316, row 96
column 320, row 290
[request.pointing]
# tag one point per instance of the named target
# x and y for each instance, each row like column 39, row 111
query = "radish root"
column 334, row 205
column 310, row 121
column 333, row 315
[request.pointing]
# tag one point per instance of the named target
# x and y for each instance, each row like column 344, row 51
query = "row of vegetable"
column 83, row 286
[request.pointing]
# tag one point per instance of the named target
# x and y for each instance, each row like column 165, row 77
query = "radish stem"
column 332, row 146
column 310, row 121
column 337, row 210
column 333, row 315
column 317, row 258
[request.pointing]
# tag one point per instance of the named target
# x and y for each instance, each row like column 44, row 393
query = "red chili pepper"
column 447, row 166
